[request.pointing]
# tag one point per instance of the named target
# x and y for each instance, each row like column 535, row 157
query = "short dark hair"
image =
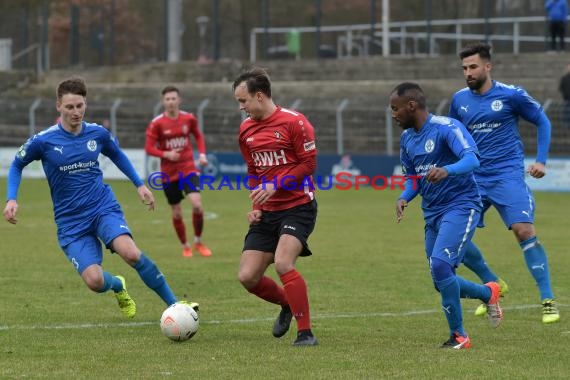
column 256, row 80
column 481, row 48
column 75, row 86
column 411, row 91
column 170, row 89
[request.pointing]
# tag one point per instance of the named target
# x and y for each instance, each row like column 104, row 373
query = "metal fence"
column 409, row 37
column 343, row 125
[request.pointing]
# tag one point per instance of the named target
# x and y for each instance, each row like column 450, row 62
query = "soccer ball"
column 179, row 322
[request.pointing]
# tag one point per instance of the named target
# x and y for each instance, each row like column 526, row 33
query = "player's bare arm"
column 10, row 211
column 146, row 196
column 537, row 170
column 262, row 193
column 401, row 204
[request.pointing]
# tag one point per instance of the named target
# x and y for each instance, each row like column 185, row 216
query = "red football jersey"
column 280, row 149
column 166, row 134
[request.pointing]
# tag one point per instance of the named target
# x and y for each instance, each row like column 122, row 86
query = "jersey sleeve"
column 303, row 139
column 530, row 110
column 152, row 137
column 406, row 162
column 198, row 136
column 32, row 150
column 112, row 150
column 251, row 172
column 458, row 139
column 411, row 189
column 526, row 106
column 252, row 177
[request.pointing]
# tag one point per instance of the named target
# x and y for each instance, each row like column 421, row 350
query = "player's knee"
column 523, row 231
column 247, row 278
column 440, row 269
column 283, row 266
column 177, row 211
column 132, row 256
column 94, row 283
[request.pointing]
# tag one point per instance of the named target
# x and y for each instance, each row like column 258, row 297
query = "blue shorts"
column 447, row 236
column 86, row 249
column 511, row 197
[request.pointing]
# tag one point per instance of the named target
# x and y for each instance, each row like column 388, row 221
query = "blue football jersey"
column 492, row 120
column 440, row 142
column 71, row 166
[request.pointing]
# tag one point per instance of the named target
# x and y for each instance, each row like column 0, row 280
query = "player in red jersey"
column 168, row 137
column 278, row 146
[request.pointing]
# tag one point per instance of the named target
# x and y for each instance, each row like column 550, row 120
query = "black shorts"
column 298, row 221
column 175, row 194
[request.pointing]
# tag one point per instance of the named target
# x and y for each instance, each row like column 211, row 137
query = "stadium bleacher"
column 315, row 87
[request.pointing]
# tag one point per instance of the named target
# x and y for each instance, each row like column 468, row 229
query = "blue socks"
column 154, row 279
column 473, row 259
column 470, row 289
column 446, row 282
column 537, row 264
column 450, row 302
column 110, row 282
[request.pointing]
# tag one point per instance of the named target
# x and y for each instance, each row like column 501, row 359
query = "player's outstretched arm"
column 10, row 211
column 146, row 196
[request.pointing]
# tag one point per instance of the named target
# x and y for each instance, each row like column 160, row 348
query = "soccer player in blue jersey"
column 85, row 208
column 441, row 153
column 490, row 110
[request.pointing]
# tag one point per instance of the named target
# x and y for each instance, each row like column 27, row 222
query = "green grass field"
column 375, row 311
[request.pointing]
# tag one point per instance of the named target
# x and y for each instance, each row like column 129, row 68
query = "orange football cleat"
column 187, row 252
column 202, row 249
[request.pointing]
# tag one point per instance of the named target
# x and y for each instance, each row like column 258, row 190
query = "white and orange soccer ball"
column 179, row 322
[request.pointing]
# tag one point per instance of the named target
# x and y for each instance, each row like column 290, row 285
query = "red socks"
column 198, row 223
column 268, row 290
column 180, row 229
column 296, row 292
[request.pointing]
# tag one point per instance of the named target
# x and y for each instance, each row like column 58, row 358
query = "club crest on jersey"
column 185, row 129
column 429, row 146
column 497, row 105
column 92, row 145
column 277, row 134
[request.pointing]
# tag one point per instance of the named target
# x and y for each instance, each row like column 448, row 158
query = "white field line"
column 70, row 326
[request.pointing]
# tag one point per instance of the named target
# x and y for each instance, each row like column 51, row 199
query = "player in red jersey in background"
column 278, row 146
column 168, row 137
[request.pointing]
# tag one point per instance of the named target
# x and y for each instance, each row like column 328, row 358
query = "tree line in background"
column 92, row 33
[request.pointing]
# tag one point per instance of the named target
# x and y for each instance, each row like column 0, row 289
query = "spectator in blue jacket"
column 557, row 14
